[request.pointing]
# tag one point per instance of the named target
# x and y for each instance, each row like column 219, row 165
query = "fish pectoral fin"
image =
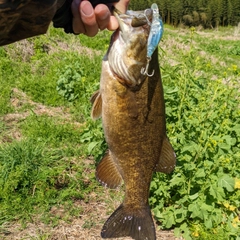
column 125, row 222
column 107, row 172
column 96, row 100
column 167, row 161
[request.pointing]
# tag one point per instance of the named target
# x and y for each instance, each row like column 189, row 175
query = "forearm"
column 24, row 19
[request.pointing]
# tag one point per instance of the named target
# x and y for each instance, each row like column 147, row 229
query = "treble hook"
column 144, row 71
column 142, row 19
column 145, row 15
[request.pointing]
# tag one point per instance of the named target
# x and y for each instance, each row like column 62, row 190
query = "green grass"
column 46, row 167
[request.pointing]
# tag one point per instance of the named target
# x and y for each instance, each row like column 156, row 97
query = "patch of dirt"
column 19, row 99
column 23, row 49
column 232, row 36
column 74, row 47
column 85, row 227
column 24, row 107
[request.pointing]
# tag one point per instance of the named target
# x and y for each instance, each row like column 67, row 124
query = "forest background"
column 207, row 13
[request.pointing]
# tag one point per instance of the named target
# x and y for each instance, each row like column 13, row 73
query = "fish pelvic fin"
column 96, row 100
column 167, row 161
column 107, row 172
column 126, row 222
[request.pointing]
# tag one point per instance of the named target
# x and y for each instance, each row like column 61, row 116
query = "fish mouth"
column 132, row 19
column 128, row 46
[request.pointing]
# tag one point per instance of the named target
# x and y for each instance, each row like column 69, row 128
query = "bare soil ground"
column 86, row 227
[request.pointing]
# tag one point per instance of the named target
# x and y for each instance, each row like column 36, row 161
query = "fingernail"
column 86, row 8
column 104, row 15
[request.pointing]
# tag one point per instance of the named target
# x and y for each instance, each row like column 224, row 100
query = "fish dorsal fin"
column 167, row 161
column 96, row 100
column 107, row 172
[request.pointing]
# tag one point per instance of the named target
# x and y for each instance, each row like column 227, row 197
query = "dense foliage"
column 202, row 195
column 46, row 165
column 208, row 13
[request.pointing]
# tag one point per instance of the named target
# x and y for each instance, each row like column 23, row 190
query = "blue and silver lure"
column 155, row 35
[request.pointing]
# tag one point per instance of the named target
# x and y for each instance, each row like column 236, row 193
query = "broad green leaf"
column 170, row 91
column 227, row 182
column 194, row 196
column 224, row 146
column 177, row 180
column 189, row 166
column 216, row 192
column 208, row 223
column 217, row 216
column 207, row 207
column 180, row 215
column 195, row 210
column 185, row 230
column 158, row 214
column 169, row 219
column 229, row 140
column 200, row 173
column 236, row 128
column 91, row 146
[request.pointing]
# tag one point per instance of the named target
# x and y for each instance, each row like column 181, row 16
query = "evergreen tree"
column 226, row 12
column 138, row 5
column 209, row 13
column 162, row 4
column 214, row 12
column 235, row 19
column 169, row 10
column 176, row 12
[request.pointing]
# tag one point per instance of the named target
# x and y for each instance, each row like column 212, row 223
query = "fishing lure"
column 155, row 35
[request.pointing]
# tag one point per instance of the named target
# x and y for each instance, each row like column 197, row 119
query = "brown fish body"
column 134, row 127
column 133, row 116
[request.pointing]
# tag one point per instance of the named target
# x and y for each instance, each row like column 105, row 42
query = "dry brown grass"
column 85, row 227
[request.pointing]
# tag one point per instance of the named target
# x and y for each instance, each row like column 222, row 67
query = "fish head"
column 128, row 48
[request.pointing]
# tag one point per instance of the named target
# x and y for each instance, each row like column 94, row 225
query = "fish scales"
column 133, row 115
column 134, row 127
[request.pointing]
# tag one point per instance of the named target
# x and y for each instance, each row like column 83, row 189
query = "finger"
column 113, row 24
column 102, row 14
column 88, row 18
column 77, row 23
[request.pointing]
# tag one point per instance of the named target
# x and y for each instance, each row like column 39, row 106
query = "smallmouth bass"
column 132, row 108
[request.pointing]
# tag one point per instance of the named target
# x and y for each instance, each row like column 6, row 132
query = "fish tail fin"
column 125, row 222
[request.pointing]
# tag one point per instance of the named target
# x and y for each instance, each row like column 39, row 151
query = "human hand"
column 89, row 20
